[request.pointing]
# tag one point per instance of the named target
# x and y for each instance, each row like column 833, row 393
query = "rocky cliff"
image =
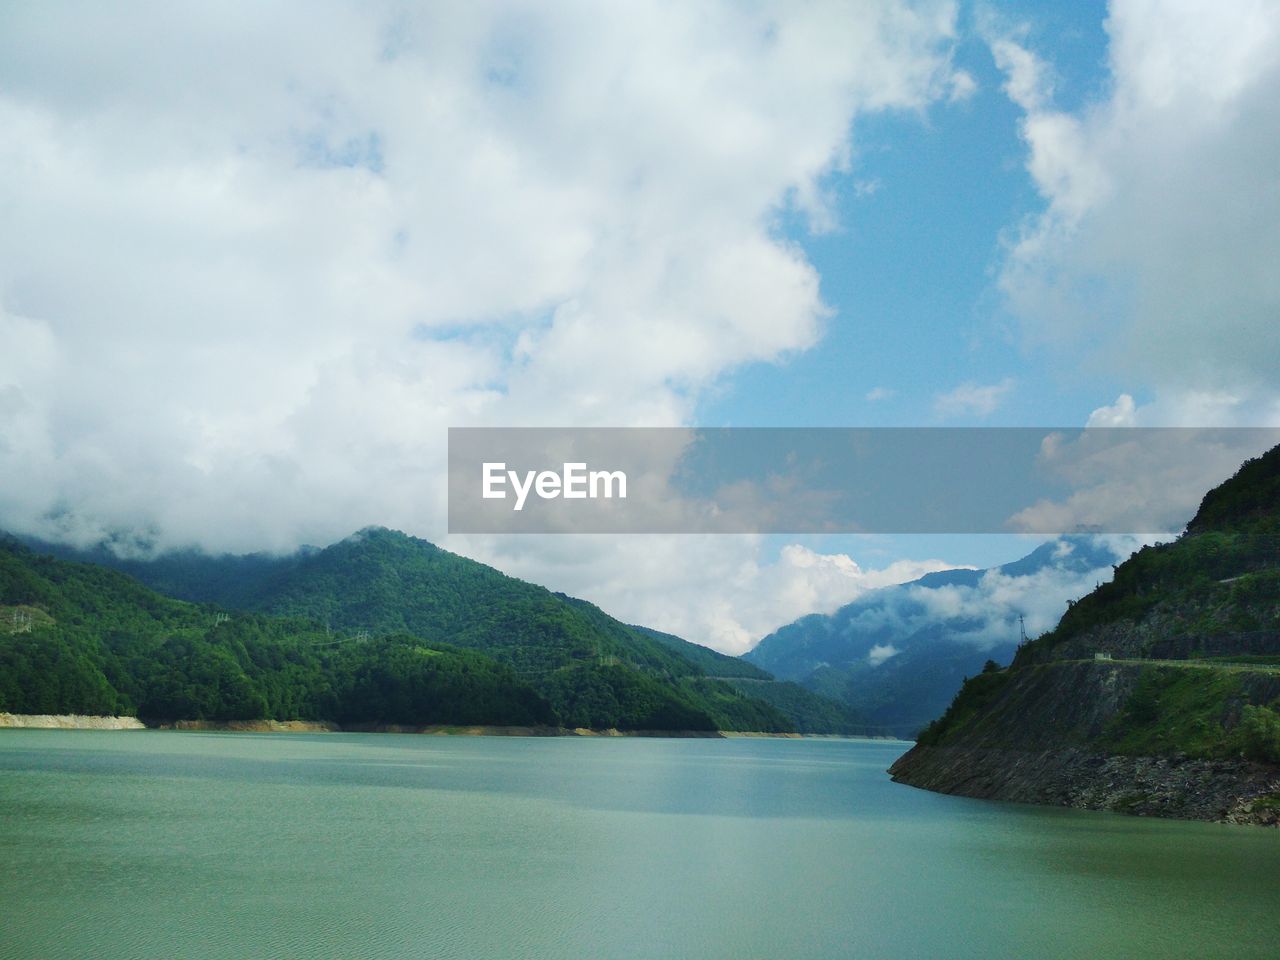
column 1061, row 734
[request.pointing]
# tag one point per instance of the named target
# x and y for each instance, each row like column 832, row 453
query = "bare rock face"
column 1232, row 791
column 1043, row 738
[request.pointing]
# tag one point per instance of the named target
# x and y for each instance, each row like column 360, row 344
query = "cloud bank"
column 255, row 261
column 973, row 608
column 721, row 591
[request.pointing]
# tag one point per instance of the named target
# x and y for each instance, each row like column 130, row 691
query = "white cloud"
column 1027, row 80
column 990, row 610
column 1154, row 257
column 867, row 188
column 876, row 394
column 983, row 614
column 963, row 86
column 1137, row 479
column 1191, row 408
column 250, row 272
column 881, row 652
column 1118, row 414
column 724, row 591
column 973, row 399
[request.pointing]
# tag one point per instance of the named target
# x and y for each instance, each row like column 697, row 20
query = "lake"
column 203, row 845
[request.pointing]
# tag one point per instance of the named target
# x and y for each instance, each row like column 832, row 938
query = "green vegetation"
column 805, row 711
column 1203, row 713
column 1260, row 734
column 104, row 644
column 1236, row 660
column 380, row 628
column 383, row 582
column 733, row 708
column 1177, row 711
column 1248, row 501
column 613, row 696
column 973, row 699
column 401, row 680
column 1222, row 576
column 708, row 661
column 1219, row 582
column 1231, row 579
column 1197, row 714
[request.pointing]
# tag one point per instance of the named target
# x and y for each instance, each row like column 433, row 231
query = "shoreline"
column 1234, row 791
column 19, row 721
column 66, row 721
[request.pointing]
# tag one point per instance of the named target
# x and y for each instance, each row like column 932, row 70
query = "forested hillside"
column 316, row 634
column 76, row 638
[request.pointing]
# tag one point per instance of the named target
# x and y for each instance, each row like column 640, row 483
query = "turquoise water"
column 198, row 845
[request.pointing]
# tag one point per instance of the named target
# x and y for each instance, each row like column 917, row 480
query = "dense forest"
column 380, row 628
column 381, row 581
column 76, row 638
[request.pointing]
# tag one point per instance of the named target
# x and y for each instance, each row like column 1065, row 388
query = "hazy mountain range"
column 897, row 655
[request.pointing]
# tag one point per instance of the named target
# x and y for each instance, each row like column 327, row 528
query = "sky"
column 255, row 259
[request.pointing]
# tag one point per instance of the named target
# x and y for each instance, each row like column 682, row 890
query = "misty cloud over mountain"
column 899, row 653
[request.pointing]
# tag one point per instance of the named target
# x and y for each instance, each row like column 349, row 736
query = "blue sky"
column 908, row 276
column 250, row 275
column 908, row 270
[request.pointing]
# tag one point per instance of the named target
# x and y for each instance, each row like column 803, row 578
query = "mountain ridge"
column 594, row 670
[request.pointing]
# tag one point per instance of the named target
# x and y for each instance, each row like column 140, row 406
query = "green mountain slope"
column 78, row 638
column 1158, row 693
column 594, row 670
column 806, row 711
column 708, row 661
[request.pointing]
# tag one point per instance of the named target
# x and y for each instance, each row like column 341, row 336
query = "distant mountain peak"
column 375, row 532
column 375, row 535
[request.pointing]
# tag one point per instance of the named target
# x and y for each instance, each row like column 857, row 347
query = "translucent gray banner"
column 839, row 480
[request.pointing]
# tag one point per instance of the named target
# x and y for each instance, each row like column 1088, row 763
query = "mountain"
column 806, row 711
column 898, row 655
column 595, row 671
column 79, row 638
column 1158, row 693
